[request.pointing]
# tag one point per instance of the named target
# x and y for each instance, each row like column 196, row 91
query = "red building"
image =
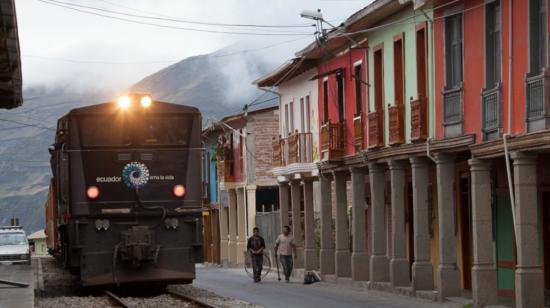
column 341, row 103
column 492, row 110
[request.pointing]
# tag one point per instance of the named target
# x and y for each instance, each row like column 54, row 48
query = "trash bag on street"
column 310, row 277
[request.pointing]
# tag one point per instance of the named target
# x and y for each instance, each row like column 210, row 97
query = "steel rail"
column 117, row 299
column 194, row 300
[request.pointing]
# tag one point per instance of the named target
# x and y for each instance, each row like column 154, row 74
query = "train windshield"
column 103, row 131
column 166, row 130
column 139, row 130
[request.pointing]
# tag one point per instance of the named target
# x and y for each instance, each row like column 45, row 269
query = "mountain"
column 24, row 159
column 218, row 84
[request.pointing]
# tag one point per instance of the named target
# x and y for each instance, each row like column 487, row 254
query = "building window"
column 490, row 97
column 340, row 86
column 291, row 107
column 397, row 111
column 536, row 83
column 241, row 149
column 453, row 51
column 399, row 87
column 492, row 44
column 291, row 115
column 358, row 75
column 537, row 35
column 452, row 94
column 378, row 82
column 302, row 116
column 376, row 118
column 421, row 65
column 287, row 127
column 325, row 100
column 308, row 110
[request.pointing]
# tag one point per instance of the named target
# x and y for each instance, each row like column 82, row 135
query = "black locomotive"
column 125, row 199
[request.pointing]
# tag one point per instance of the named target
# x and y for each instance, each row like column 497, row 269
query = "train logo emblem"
column 135, row 175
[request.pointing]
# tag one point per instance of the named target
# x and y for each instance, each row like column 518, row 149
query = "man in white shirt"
column 284, row 247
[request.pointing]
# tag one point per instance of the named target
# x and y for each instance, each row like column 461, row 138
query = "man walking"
column 284, row 246
column 255, row 247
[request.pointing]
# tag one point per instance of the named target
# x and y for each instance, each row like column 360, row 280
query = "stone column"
column 399, row 265
column 251, row 208
column 359, row 256
column 310, row 252
column 422, row 271
column 326, row 259
column 284, row 201
column 232, row 198
column 224, row 235
column 342, row 254
column 529, row 274
column 295, row 196
column 241, row 226
column 447, row 272
column 484, row 272
column 378, row 260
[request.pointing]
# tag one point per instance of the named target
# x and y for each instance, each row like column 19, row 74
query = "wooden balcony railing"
column 419, row 119
column 396, row 123
column 358, row 131
column 376, row 129
column 536, row 88
column 300, row 148
column 490, row 113
column 333, row 140
column 227, row 174
column 297, row 148
column 278, row 152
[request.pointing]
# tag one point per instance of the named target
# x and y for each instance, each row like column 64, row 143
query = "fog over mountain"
column 218, row 84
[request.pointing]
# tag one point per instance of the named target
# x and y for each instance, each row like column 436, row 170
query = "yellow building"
column 37, row 242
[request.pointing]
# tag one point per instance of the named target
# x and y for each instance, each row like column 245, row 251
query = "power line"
column 23, row 161
column 27, row 124
column 78, row 61
column 169, row 26
column 189, row 21
column 296, row 65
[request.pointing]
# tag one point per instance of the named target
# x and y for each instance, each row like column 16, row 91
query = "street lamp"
column 315, row 15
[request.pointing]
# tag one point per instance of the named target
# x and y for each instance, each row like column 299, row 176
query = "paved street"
column 235, row 283
column 11, row 296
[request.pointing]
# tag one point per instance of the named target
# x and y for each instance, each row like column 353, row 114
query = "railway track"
column 117, row 300
column 121, row 302
column 192, row 299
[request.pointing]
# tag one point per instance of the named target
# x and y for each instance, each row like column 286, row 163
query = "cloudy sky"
column 62, row 44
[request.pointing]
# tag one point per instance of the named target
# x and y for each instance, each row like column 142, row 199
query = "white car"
column 14, row 247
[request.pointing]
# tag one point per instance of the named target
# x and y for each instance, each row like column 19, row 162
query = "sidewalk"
column 233, row 282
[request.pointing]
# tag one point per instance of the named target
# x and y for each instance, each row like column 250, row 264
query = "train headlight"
column 92, row 192
column 146, row 101
column 179, row 191
column 124, row 102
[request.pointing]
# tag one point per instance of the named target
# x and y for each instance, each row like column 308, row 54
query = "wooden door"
column 505, row 245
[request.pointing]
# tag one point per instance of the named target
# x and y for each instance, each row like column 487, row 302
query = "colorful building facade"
column 240, row 160
column 435, row 115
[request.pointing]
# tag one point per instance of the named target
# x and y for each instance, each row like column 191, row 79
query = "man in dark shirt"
column 255, row 247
